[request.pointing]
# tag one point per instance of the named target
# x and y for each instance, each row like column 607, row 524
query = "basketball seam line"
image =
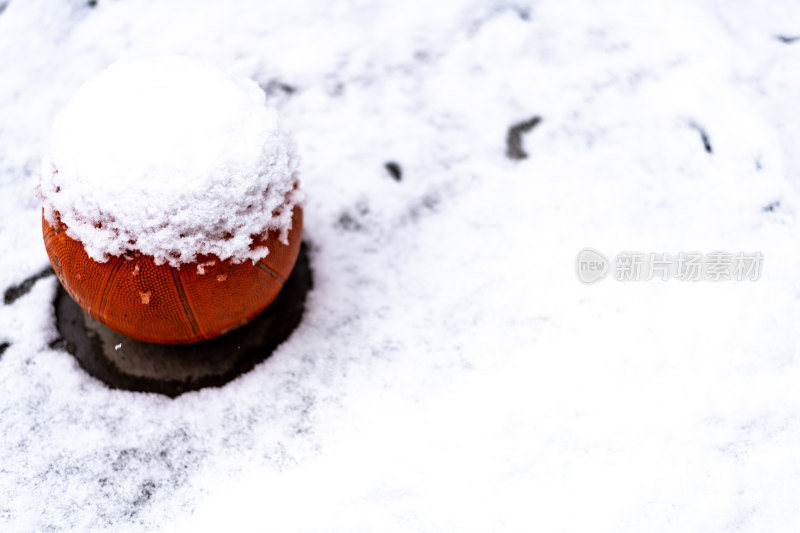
column 107, row 288
column 271, row 271
column 185, row 302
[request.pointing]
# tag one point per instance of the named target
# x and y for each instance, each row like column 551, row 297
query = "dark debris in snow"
column 394, row 170
column 788, row 39
column 514, row 148
column 703, row 136
column 273, row 87
column 15, row 292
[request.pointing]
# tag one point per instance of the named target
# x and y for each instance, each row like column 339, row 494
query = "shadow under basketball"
column 124, row 363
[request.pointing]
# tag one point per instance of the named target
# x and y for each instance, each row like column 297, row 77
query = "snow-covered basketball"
column 171, row 207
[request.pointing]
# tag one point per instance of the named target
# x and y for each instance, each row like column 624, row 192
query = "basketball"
column 172, row 211
column 196, row 301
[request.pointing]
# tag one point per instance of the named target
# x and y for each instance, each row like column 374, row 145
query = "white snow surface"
column 170, row 158
column 450, row 372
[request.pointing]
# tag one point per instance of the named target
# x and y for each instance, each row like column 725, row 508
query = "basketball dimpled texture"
column 162, row 304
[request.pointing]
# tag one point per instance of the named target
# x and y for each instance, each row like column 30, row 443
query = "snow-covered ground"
column 451, row 373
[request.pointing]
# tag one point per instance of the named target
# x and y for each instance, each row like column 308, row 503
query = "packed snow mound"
column 171, row 158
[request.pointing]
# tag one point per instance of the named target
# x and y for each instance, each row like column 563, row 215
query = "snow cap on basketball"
column 171, row 158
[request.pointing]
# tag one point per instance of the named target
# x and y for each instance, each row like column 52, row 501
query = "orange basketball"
column 159, row 303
